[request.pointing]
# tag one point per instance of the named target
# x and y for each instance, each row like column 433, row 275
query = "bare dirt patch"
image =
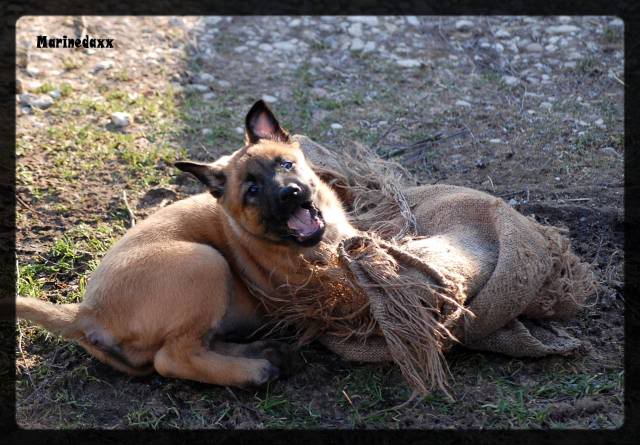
column 527, row 108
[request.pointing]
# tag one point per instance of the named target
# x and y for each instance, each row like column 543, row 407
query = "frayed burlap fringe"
column 376, row 288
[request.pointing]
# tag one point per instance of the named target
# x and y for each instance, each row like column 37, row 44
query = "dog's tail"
column 61, row 319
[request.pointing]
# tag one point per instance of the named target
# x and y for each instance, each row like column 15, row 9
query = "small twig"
column 206, row 151
column 132, row 217
column 21, row 201
column 491, row 182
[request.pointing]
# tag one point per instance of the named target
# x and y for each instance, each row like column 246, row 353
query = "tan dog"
column 167, row 295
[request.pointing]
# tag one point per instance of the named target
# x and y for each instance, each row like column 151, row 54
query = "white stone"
column 285, row 46
column 369, row 46
column 610, row 151
column 534, row 47
column 462, row 103
column 562, row 29
column 104, row 65
column 355, row 30
column 203, row 78
column 209, row 96
column 495, row 141
column 196, row 88
column 408, row 63
column 550, row 48
column 356, row 45
column 510, row 80
column 295, row 23
column 240, row 49
column 269, row 99
column 32, row 71
column 370, row 20
column 336, row 126
column 239, row 130
column 616, row 23
column 265, row 47
column 43, row 102
column 464, row 25
column 224, row 83
column 499, row 47
column 55, row 94
column 207, row 131
column 413, row 20
column 502, row 34
column 545, row 105
column 121, row 119
column 599, row 123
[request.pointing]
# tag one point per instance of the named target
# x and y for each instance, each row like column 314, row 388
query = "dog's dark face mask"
column 267, row 189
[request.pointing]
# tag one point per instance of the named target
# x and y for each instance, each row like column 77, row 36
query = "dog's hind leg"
column 188, row 358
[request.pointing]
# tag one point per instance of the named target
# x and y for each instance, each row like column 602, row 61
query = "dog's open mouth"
column 306, row 223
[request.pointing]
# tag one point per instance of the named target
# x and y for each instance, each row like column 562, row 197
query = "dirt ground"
column 529, row 109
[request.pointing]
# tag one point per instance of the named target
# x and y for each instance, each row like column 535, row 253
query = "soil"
column 529, row 109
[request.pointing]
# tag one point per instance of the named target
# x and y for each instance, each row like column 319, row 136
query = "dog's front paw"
column 284, row 357
column 263, row 373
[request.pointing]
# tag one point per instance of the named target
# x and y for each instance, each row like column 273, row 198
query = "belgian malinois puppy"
column 167, row 296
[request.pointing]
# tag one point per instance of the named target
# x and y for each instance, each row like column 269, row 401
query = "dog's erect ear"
column 210, row 175
column 260, row 123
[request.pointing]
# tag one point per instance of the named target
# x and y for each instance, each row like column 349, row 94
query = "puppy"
column 167, row 296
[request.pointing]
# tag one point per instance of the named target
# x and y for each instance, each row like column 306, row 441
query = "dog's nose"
column 290, row 192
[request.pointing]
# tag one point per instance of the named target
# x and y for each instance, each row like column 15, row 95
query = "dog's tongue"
column 303, row 223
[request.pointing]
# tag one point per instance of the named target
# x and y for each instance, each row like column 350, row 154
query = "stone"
column 295, row 23
column 616, row 23
column 464, row 25
column 463, row 103
column 355, row 30
column 534, row 47
column 610, row 151
column 104, row 65
column 412, row 20
column 55, row 94
column 269, row 99
column 356, row 45
column 562, row 29
column 240, row 49
column 502, row 34
column 206, row 132
column 495, row 141
column 550, row 48
column 336, row 126
column 510, row 80
column 319, row 92
column 224, row 84
column 369, row 46
column 121, row 119
column 370, row 20
column 209, row 96
column 42, row 102
column 239, row 130
column 196, row 88
column 203, row 78
column 265, row 47
column 285, row 46
column 546, row 105
column 408, row 63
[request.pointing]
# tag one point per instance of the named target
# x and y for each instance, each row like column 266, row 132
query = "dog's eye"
column 252, row 190
column 287, row 165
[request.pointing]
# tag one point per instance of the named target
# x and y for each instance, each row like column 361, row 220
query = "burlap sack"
column 434, row 266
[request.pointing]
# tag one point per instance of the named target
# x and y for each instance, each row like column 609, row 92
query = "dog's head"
column 267, row 188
